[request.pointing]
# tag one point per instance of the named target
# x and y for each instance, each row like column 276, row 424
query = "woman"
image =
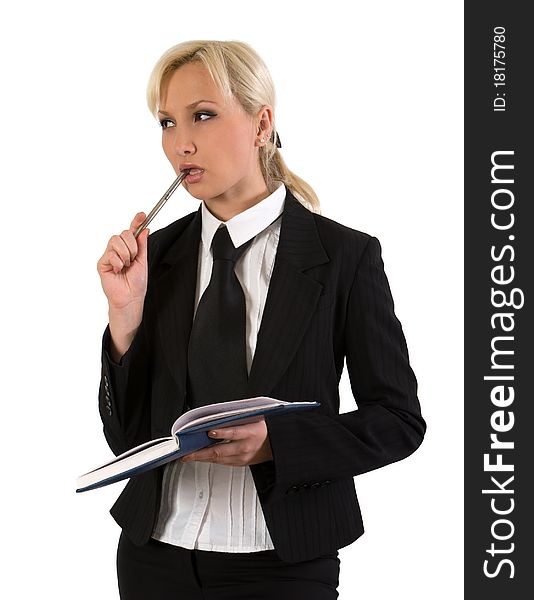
column 263, row 514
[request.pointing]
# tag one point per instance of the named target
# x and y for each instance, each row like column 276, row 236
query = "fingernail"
column 213, row 434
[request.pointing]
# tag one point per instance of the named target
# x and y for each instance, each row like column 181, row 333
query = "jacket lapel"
column 291, row 299
column 175, row 289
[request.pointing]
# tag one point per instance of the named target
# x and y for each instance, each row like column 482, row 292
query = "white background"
column 369, row 110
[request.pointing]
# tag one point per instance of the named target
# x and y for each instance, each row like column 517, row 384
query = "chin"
column 204, row 193
column 196, row 195
column 195, row 191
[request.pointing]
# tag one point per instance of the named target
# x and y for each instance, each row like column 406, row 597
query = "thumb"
column 136, row 222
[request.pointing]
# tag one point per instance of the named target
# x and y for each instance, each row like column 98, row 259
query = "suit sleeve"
column 315, row 448
column 124, row 392
column 123, row 395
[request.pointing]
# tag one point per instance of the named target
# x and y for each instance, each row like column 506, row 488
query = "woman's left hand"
column 245, row 445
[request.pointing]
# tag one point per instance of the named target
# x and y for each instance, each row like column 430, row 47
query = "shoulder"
column 335, row 230
column 346, row 247
column 355, row 255
column 333, row 235
column 345, row 242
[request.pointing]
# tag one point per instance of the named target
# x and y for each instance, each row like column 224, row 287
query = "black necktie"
column 217, row 367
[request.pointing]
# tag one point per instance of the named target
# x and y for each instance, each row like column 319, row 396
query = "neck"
column 241, row 198
column 224, row 211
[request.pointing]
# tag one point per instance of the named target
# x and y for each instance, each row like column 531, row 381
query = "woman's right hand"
column 123, row 267
column 123, row 271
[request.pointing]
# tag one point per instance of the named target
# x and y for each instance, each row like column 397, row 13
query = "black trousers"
column 158, row 571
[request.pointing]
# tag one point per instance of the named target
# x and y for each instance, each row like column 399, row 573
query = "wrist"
column 123, row 325
column 130, row 313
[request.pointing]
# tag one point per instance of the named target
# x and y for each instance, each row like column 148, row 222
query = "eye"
column 166, row 123
column 204, row 116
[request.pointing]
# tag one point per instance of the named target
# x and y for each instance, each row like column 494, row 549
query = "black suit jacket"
column 328, row 302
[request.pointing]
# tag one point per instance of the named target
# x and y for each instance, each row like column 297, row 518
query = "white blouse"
column 206, row 505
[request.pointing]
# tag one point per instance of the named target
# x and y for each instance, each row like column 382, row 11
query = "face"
column 200, row 127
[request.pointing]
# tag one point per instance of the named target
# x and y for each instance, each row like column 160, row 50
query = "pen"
column 162, row 201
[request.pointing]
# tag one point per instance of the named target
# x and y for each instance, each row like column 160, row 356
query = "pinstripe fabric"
column 329, row 304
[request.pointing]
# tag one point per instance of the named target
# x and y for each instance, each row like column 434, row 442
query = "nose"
column 183, row 144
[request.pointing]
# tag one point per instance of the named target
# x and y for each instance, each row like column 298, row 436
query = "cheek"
column 239, row 146
column 166, row 145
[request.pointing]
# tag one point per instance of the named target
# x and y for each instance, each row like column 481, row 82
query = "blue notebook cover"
column 164, row 450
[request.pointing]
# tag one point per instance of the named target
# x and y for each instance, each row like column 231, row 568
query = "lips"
column 189, row 167
column 194, row 175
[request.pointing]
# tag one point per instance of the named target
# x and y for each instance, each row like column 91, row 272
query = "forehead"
column 188, row 84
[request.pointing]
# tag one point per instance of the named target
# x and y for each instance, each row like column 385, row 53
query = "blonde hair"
column 239, row 72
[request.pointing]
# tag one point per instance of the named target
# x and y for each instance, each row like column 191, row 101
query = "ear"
column 264, row 120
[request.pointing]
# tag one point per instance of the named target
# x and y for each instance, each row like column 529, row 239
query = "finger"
column 110, row 261
column 137, row 220
column 226, row 433
column 119, row 246
column 115, row 262
column 129, row 240
column 211, row 454
column 201, row 457
column 240, row 432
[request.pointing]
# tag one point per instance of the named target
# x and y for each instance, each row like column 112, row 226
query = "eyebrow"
column 192, row 105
